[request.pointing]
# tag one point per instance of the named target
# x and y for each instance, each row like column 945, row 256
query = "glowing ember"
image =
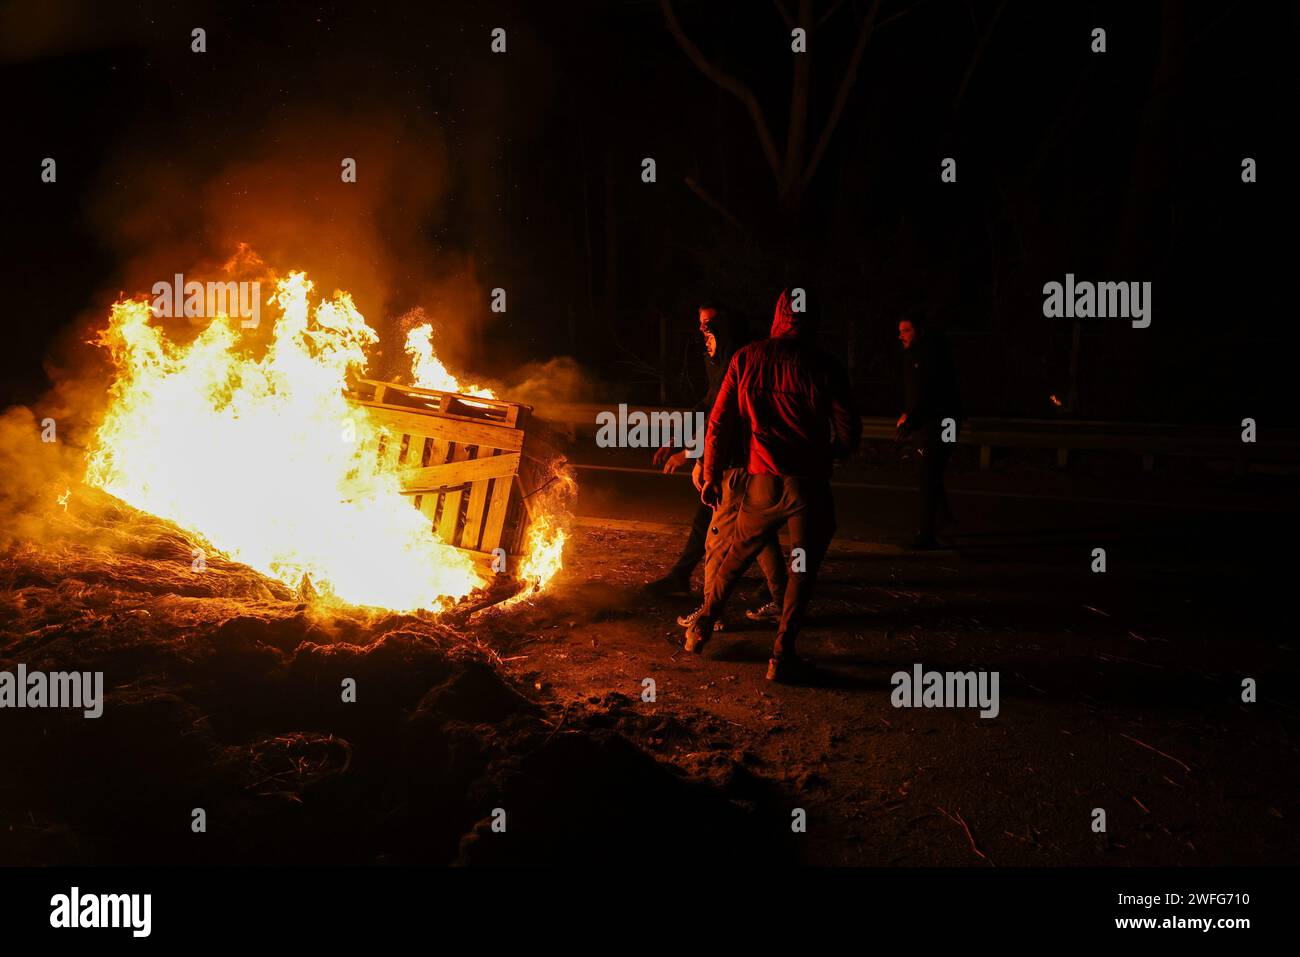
column 265, row 459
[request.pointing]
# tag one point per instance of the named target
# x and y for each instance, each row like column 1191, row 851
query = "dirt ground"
column 223, row 698
column 1121, row 694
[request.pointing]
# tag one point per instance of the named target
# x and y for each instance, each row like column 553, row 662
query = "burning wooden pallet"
column 469, row 463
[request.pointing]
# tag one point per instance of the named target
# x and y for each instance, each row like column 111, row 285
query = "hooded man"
column 799, row 409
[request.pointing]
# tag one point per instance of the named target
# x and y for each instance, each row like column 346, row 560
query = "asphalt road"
column 1193, row 525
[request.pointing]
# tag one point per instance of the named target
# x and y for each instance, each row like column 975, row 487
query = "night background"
column 523, row 171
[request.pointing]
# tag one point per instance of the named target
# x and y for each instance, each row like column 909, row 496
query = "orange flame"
column 266, row 460
column 427, row 369
column 548, row 532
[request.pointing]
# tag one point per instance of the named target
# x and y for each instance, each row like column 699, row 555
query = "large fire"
column 264, row 459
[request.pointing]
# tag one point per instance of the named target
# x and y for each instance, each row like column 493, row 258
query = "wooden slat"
column 438, row 449
column 458, row 472
column 504, row 412
column 417, row 390
column 429, row 507
column 453, row 430
column 432, row 498
column 498, row 505
column 478, row 496
column 524, row 516
column 451, row 502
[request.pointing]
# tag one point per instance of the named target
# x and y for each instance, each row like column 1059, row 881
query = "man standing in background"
column 932, row 406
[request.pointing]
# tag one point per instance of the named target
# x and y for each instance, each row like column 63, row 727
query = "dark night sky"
column 522, row 171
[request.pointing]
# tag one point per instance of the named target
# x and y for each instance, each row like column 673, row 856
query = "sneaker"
column 698, row 635
column 670, row 586
column 687, row 620
column 791, row 669
column 770, row 611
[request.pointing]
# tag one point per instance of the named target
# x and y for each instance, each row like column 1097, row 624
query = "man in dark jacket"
column 800, row 414
column 723, row 334
column 930, row 420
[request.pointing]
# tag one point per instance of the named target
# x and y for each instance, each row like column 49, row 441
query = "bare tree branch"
column 712, row 203
column 785, row 15
column 828, row 14
column 897, row 16
column 729, row 83
column 842, row 95
column 975, row 57
column 796, row 129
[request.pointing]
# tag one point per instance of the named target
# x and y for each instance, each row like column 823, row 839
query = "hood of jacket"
column 786, row 322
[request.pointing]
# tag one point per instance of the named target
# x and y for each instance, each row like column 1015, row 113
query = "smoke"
column 253, row 158
column 557, row 381
column 31, row 29
column 285, row 196
column 35, row 474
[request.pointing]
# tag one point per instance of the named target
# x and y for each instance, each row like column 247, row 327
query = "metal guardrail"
column 1148, row 440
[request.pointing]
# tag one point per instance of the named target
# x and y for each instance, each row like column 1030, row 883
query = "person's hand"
column 697, row 476
column 675, row 461
column 711, row 493
column 661, row 455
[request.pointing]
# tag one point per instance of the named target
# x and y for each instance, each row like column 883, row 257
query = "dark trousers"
column 722, row 537
column 807, row 508
column 934, row 457
column 693, row 550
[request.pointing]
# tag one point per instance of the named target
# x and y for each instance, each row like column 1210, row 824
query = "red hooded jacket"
column 795, row 398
